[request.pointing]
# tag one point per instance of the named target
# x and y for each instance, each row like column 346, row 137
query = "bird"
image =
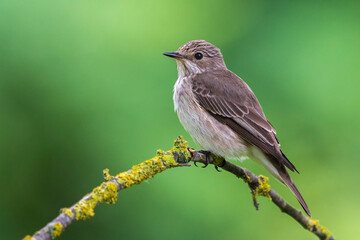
column 222, row 114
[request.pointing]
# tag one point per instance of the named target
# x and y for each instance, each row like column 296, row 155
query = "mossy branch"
column 259, row 187
column 179, row 155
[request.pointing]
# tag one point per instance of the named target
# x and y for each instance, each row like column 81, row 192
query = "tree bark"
column 178, row 156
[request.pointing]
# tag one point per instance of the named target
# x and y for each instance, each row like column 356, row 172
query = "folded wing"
column 229, row 100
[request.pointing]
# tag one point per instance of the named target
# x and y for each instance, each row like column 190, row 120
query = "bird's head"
column 196, row 57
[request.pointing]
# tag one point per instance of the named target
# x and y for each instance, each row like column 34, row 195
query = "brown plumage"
column 223, row 115
column 235, row 101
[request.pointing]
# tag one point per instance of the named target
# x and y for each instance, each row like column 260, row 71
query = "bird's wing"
column 230, row 100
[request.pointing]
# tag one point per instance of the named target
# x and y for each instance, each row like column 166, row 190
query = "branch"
column 178, row 156
column 259, row 187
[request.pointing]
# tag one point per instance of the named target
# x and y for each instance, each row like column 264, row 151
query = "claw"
column 206, row 164
column 223, row 163
column 207, row 157
column 220, row 165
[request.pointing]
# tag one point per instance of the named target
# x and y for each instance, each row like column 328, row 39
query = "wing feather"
column 228, row 98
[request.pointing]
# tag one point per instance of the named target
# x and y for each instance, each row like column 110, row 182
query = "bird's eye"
column 198, row 56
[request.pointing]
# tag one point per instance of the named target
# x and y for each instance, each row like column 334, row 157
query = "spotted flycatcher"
column 222, row 114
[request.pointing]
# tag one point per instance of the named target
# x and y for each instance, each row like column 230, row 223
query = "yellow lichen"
column 314, row 224
column 28, row 237
column 181, row 150
column 56, row 230
column 264, row 188
column 144, row 170
column 67, row 212
column 159, row 163
column 107, row 175
column 85, row 209
column 106, row 192
column 159, row 152
column 325, row 231
column 247, row 178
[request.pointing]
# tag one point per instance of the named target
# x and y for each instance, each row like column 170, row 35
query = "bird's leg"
column 207, row 157
column 218, row 161
column 220, row 165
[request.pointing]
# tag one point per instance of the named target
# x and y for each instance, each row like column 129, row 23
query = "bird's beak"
column 173, row 54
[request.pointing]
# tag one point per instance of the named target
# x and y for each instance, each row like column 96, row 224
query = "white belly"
column 205, row 130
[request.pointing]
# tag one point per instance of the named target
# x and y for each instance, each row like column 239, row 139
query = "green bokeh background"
column 83, row 87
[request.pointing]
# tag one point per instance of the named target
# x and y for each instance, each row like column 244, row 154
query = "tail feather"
column 287, row 163
column 288, row 182
column 278, row 169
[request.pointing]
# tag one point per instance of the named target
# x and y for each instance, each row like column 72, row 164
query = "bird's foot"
column 220, row 165
column 207, row 157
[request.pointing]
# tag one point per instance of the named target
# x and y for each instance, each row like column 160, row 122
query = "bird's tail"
column 278, row 170
column 285, row 178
